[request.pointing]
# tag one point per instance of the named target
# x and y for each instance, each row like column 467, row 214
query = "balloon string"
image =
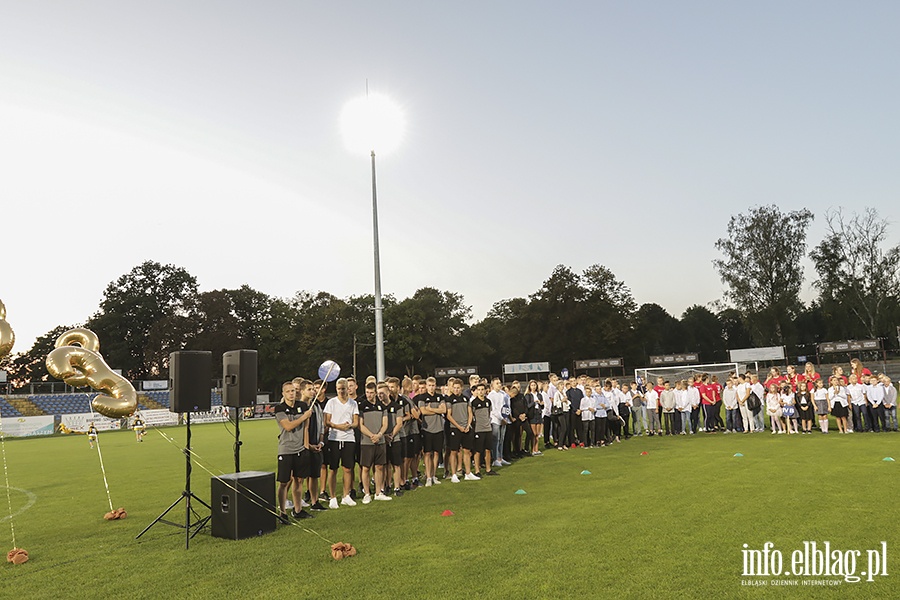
column 248, row 493
column 103, row 470
column 12, row 527
column 100, row 455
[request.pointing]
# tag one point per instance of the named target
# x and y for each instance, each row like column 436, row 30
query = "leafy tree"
column 761, row 268
column 859, row 278
column 703, row 332
column 656, row 332
column 425, row 331
column 31, row 366
column 132, row 306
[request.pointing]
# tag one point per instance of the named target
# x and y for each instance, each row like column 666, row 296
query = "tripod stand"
column 193, row 522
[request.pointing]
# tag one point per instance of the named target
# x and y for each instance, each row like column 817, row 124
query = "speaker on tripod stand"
column 190, row 374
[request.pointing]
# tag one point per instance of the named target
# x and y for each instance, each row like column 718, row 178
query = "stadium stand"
column 7, row 410
column 61, row 404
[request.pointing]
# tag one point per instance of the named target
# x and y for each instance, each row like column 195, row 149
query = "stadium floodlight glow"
column 372, row 123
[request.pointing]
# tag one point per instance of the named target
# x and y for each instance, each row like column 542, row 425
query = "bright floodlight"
column 372, row 123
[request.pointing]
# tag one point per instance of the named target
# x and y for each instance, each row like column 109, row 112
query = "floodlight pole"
column 379, row 309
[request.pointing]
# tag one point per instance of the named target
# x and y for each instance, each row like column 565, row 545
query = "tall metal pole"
column 379, row 310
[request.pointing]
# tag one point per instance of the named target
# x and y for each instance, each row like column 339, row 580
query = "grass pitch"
column 668, row 524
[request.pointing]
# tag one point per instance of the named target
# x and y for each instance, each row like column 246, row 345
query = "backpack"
column 754, row 403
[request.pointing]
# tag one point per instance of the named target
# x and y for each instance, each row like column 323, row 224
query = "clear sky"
column 206, row 134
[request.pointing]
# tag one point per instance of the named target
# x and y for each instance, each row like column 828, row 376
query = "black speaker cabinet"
column 190, row 375
column 243, row 504
column 239, row 378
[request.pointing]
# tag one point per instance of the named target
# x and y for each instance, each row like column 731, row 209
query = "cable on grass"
column 339, row 550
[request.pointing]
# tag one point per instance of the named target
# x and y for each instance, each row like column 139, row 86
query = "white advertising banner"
column 81, row 421
column 757, row 354
column 28, row 426
column 159, row 417
column 216, row 415
column 533, row 367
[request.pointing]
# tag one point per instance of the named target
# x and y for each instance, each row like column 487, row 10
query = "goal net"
column 648, row 375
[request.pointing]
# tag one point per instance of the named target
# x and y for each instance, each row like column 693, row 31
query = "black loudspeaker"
column 190, row 375
column 239, row 378
column 243, row 504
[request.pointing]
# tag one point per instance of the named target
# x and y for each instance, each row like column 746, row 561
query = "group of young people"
column 388, row 432
column 395, row 427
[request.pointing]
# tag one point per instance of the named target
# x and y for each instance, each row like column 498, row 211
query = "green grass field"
column 670, row 524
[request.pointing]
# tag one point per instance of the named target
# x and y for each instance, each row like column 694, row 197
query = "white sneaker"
column 505, row 462
column 454, row 479
column 304, row 504
column 288, row 505
column 382, row 497
column 367, row 498
column 435, row 481
column 428, row 482
column 333, row 503
column 496, row 463
column 348, row 501
column 472, row 477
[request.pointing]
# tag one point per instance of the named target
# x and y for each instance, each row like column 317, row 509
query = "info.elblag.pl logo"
column 814, row 559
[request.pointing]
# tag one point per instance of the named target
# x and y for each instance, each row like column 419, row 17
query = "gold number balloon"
column 7, row 337
column 82, row 365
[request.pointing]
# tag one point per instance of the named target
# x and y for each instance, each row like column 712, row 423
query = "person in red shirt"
column 810, row 376
column 775, row 378
column 838, row 372
column 792, row 377
column 717, row 401
column 707, row 402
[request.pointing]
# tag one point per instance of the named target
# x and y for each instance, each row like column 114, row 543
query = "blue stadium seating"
column 60, row 404
column 7, row 410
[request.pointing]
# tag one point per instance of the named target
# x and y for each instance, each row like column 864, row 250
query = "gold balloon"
column 7, row 337
column 83, row 365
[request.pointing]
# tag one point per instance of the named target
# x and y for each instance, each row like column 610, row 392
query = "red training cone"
column 447, row 513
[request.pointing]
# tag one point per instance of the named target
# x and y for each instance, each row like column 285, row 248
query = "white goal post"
column 648, row 375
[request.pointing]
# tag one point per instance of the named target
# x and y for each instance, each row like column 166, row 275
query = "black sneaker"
column 317, row 506
column 398, row 492
column 353, row 494
column 324, row 497
column 284, row 519
column 302, row 515
column 407, row 486
column 491, row 473
column 306, row 496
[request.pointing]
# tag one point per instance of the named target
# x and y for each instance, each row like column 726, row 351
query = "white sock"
column 825, row 426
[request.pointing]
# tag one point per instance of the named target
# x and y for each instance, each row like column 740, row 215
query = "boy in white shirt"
column 667, row 400
column 651, row 409
column 341, row 418
column 586, row 410
column 730, row 400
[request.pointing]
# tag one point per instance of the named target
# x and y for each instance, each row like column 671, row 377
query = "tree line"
column 156, row 309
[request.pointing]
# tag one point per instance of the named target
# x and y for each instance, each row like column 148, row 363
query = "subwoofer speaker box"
column 243, row 504
column 239, row 378
column 190, row 376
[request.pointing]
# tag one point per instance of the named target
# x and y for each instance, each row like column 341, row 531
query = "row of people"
column 396, row 427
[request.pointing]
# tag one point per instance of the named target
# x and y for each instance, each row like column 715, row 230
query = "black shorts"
column 454, row 439
column 395, row 452
column 481, row 441
column 340, row 454
column 468, row 439
column 413, row 445
column 292, row 465
column 433, row 442
column 371, row 455
column 315, row 463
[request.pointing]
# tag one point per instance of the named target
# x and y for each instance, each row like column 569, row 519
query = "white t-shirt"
column 730, row 398
column 651, row 398
column 341, row 413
